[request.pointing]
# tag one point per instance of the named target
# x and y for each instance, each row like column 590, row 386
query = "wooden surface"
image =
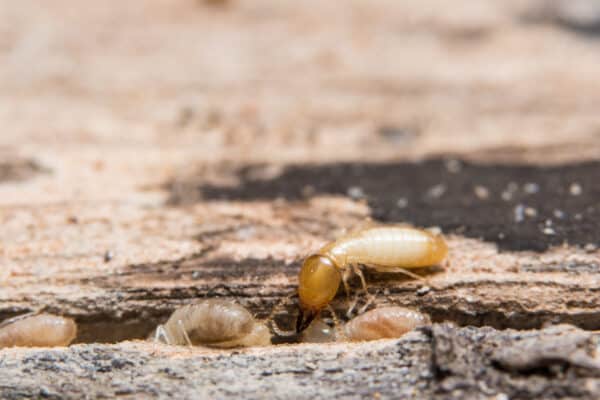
column 154, row 155
column 443, row 362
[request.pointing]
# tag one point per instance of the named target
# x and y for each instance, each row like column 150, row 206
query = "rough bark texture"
column 155, row 154
column 443, row 362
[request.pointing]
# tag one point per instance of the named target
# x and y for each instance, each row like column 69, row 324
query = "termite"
column 384, row 323
column 37, row 330
column 383, row 248
column 380, row 323
column 213, row 323
column 318, row 332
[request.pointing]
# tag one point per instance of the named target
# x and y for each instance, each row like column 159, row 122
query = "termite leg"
column 161, row 333
column 410, row 274
column 369, row 297
column 345, row 278
column 336, row 323
column 363, row 281
column 351, row 307
column 185, row 335
column 366, row 305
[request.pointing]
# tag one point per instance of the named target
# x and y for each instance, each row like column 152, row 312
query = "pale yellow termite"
column 380, row 323
column 384, row 323
column 383, row 248
column 37, row 330
column 214, row 323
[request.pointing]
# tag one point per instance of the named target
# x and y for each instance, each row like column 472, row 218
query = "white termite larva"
column 383, row 248
column 380, row 323
column 39, row 330
column 318, row 332
column 213, row 323
column 384, row 323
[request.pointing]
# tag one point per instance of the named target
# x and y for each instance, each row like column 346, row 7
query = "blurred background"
column 168, row 82
column 112, row 100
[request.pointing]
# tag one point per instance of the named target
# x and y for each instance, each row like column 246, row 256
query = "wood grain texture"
column 442, row 362
column 154, row 156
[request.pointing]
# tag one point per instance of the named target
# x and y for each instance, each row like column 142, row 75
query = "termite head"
column 317, row 285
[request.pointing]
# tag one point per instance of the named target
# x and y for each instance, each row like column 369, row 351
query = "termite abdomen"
column 215, row 323
column 380, row 323
column 41, row 330
column 384, row 323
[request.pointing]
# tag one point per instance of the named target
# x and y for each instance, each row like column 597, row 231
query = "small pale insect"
column 37, row 330
column 384, row 323
column 213, row 323
column 382, row 248
column 318, row 332
column 380, row 323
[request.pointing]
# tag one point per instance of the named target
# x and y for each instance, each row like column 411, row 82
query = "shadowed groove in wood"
column 142, row 296
column 19, row 169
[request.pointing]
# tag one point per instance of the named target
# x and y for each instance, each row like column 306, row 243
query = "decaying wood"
column 439, row 362
column 477, row 286
column 192, row 152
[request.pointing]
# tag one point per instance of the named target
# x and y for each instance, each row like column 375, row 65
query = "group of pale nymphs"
column 226, row 324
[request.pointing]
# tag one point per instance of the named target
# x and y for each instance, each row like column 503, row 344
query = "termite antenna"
column 280, row 332
column 337, row 325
